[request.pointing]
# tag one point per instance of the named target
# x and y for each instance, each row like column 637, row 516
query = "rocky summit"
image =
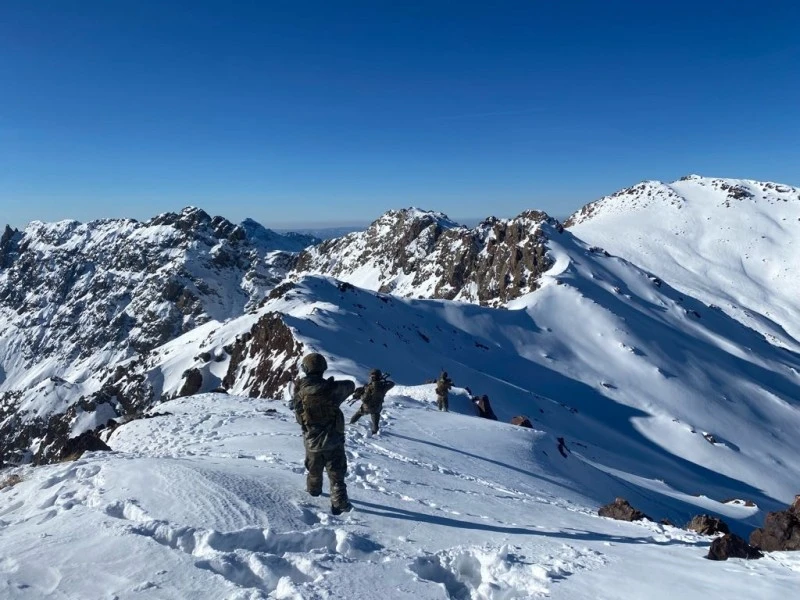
column 422, row 254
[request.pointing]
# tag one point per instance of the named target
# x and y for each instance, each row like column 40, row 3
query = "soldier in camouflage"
column 316, row 406
column 443, row 385
column 371, row 396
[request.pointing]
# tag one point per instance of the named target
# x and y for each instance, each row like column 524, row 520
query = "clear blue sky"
column 301, row 111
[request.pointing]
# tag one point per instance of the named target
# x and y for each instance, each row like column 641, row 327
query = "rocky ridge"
column 421, row 254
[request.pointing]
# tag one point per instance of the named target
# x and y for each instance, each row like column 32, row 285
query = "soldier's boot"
column 376, row 420
column 337, row 509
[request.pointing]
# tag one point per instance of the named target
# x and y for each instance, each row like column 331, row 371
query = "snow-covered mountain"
column 77, row 298
column 272, row 241
column 681, row 402
column 637, row 385
column 733, row 243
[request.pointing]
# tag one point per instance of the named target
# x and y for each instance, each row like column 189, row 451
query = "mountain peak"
column 270, row 240
column 413, row 214
column 417, row 253
column 705, row 193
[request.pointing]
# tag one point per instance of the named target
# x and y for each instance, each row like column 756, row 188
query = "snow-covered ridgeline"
column 733, row 243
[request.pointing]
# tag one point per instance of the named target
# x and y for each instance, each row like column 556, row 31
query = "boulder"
column 621, row 510
column 707, row 525
column 522, row 421
column 193, row 382
column 88, row 441
column 731, row 545
column 781, row 530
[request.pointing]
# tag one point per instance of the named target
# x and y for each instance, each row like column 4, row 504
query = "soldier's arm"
column 298, row 414
column 387, row 385
column 342, row 390
column 297, row 405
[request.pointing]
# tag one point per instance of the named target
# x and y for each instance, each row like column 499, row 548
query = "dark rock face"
column 88, row 441
column 621, row 510
column 781, row 530
column 264, row 360
column 495, row 262
column 707, row 525
column 731, row 545
column 8, row 247
column 522, row 421
column 290, row 241
column 193, row 381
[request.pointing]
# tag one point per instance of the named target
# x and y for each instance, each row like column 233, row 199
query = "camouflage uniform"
column 372, row 396
column 316, row 406
column 443, row 386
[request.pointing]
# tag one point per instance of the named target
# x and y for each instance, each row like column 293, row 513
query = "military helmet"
column 375, row 374
column 444, row 374
column 314, row 363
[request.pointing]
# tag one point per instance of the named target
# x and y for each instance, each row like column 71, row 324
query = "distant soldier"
column 371, row 396
column 484, row 408
column 316, row 406
column 443, row 385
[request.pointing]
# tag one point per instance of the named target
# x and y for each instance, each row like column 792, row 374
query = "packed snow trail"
column 209, row 502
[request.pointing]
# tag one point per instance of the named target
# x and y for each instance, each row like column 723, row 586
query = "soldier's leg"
column 446, row 404
column 336, row 464
column 439, row 402
column 356, row 416
column 376, row 421
column 315, row 463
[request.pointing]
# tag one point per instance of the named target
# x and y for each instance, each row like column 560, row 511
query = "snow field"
column 209, row 502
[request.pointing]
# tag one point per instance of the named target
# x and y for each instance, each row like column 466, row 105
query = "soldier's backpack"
column 318, row 408
column 371, row 396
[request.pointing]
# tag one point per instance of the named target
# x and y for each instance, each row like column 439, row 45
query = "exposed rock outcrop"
column 707, row 525
column 781, row 530
column 423, row 254
column 264, row 360
column 731, row 545
column 88, row 441
column 192, row 382
column 621, row 510
column 522, row 421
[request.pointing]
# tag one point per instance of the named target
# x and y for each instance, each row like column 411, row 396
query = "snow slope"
column 208, row 502
column 733, row 243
